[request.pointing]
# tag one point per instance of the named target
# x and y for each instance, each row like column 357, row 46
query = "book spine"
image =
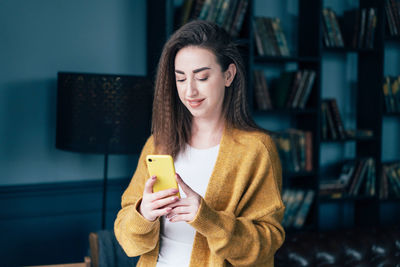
column 205, row 9
column 308, row 89
column 337, row 118
column 197, row 9
column 257, row 91
column 304, row 210
column 324, row 121
column 331, row 126
column 239, row 22
column 362, row 28
column 385, row 89
column 231, row 13
column 389, row 18
column 328, row 25
column 293, row 90
column 396, row 14
column 272, row 36
column 396, row 93
column 336, row 28
column 309, row 151
column 265, row 89
column 299, row 91
column 257, row 37
column 223, row 12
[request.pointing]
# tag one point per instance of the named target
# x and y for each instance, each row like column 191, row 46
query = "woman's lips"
column 195, row 102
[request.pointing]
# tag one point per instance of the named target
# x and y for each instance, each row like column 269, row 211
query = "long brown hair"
column 171, row 123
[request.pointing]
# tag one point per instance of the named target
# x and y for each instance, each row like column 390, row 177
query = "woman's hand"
column 185, row 209
column 154, row 205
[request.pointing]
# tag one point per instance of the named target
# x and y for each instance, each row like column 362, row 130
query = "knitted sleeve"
column 250, row 234
column 135, row 234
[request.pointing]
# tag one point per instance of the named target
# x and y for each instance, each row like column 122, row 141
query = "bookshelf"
column 302, row 21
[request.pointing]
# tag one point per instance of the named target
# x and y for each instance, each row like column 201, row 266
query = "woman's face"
column 201, row 82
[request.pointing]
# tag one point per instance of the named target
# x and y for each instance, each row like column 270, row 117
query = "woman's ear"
column 230, row 74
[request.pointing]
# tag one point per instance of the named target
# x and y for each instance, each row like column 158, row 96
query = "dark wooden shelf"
column 285, row 111
column 345, row 198
column 346, row 49
column 349, row 139
column 391, row 114
column 298, row 174
column 390, row 199
column 390, row 38
column 370, row 70
column 278, row 59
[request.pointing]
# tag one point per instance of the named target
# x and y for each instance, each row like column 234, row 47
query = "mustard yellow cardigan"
column 239, row 220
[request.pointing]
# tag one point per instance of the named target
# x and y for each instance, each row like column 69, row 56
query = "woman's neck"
column 206, row 133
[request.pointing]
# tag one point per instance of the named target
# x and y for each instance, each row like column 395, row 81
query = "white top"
column 195, row 167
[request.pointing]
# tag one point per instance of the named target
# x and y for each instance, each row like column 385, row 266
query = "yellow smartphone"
column 163, row 167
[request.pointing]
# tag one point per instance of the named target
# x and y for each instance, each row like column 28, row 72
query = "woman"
column 230, row 209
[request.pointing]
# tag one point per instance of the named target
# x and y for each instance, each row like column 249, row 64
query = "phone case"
column 162, row 166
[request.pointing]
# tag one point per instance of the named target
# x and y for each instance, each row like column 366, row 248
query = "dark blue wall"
column 38, row 39
column 50, row 223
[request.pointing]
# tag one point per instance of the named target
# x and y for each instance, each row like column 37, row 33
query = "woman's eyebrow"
column 201, row 69
column 194, row 71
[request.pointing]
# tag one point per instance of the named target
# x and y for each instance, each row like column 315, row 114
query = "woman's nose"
column 191, row 88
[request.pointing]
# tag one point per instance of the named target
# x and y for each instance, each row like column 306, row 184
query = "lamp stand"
column 104, row 206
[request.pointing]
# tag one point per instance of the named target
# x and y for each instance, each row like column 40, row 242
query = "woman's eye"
column 203, row 79
column 180, row 80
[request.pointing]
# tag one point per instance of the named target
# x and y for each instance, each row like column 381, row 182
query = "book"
column 272, row 36
column 390, row 18
column 385, row 88
column 258, row 37
column 298, row 198
column 262, row 97
column 269, row 36
column 239, row 18
column 324, row 121
column 337, row 118
column 307, row 90
column 309, row 151
column 362, row 177
column 233, row 5
column 339, row 187
column 304, row 77
column 295, row 149
column 362, row 30
column 331, row 129
column 329, row 27
column 187, row 10
column 304, row 210
column 282, row 43
column 337, row 34
column 280, row 92
column 371, row 29
column 332, row 124
column 395, row 94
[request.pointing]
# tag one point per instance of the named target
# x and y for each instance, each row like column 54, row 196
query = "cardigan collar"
column 219, row 174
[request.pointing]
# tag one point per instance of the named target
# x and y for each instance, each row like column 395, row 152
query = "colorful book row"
column 292, row 90
column 332, row 123
column 392, row 9
column 298, row 203
column 390, row 181
column 391, row 93
column 269, row 37
column 228, row 14
column 357, row 178
column 295, row 150
column 355, row 30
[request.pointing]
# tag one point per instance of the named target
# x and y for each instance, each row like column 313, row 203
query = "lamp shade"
column 101, row 113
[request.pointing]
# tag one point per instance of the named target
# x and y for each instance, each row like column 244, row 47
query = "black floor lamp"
column 103, row 114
